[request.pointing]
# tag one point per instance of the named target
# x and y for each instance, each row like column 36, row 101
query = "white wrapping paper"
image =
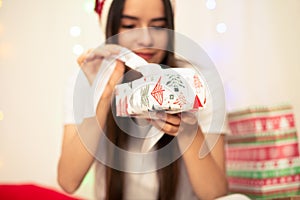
column 172, row 90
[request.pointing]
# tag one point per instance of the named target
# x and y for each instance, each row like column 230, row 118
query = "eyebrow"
column 136, row 18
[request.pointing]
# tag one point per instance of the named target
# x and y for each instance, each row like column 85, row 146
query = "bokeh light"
column 77, row 49
column 89, row 6
column 1, row 115
column 211, row 4
column 75, row 31
column 7, row 50
column 221, row 28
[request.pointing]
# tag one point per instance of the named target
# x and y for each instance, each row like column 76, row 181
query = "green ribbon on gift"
column 264, row 174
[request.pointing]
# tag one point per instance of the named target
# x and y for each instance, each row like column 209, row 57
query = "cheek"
column 161, row 41
column 125, row 40
column 159, row 56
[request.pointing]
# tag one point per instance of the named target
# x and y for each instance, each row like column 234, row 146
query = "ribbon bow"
column 99, row 6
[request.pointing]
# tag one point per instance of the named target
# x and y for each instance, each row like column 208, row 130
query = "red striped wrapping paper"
column 262, row 152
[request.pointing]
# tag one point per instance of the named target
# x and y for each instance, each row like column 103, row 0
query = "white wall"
column 258, row 58
column 35, row 59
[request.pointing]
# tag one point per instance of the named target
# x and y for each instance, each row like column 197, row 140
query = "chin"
column 154, row 60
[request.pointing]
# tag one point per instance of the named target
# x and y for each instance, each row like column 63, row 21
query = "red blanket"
column 31, row 192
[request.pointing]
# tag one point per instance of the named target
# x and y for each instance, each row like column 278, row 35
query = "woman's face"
column 141, row 27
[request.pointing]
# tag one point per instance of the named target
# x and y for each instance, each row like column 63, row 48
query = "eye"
column 158, row 27
column 127, row 26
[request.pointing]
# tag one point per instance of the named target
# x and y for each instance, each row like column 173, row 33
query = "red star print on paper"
column 157, row 92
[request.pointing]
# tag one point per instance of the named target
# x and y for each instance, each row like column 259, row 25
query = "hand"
column 188, row 118
column 189, row 123
column 115, row 79
column 167, row 123
column 91, row 60
column 172, row 124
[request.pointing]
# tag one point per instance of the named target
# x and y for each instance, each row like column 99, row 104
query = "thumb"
column 117, row 75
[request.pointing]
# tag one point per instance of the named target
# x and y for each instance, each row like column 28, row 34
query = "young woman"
column 141, row 27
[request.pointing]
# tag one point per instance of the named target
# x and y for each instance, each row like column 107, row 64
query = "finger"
column 81, row 58
column 91, row 67
column 90, row 50
column 165, row 127
column 171, row 119
column 114, row 79
column 113, row 48
column 97, row 54
column 188, row 118
column 117, row 75
column 103, row 52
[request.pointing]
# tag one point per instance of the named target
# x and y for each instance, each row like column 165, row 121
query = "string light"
column 77, row 49
column 75, row 31
column 211, row 4
column 221, row 28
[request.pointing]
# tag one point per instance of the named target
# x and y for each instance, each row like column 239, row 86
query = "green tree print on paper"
column 175, row 82
column 144, row 96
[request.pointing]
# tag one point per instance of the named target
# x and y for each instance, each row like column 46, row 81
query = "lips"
column 146, row 56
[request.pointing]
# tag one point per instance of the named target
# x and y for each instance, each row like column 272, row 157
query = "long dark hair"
column 168, row 176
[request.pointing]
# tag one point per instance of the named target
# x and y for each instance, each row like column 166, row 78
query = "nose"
column 145, row 38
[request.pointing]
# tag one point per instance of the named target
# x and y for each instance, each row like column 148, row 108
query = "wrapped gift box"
column 261, row 119
column 262, row 152
column 172, row 90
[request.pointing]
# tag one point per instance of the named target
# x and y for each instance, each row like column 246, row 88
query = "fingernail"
column 84, row 62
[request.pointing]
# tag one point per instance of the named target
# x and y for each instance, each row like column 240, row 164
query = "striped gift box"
column 262, row 152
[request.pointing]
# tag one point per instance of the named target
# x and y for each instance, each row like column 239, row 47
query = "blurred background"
column 255, row 45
